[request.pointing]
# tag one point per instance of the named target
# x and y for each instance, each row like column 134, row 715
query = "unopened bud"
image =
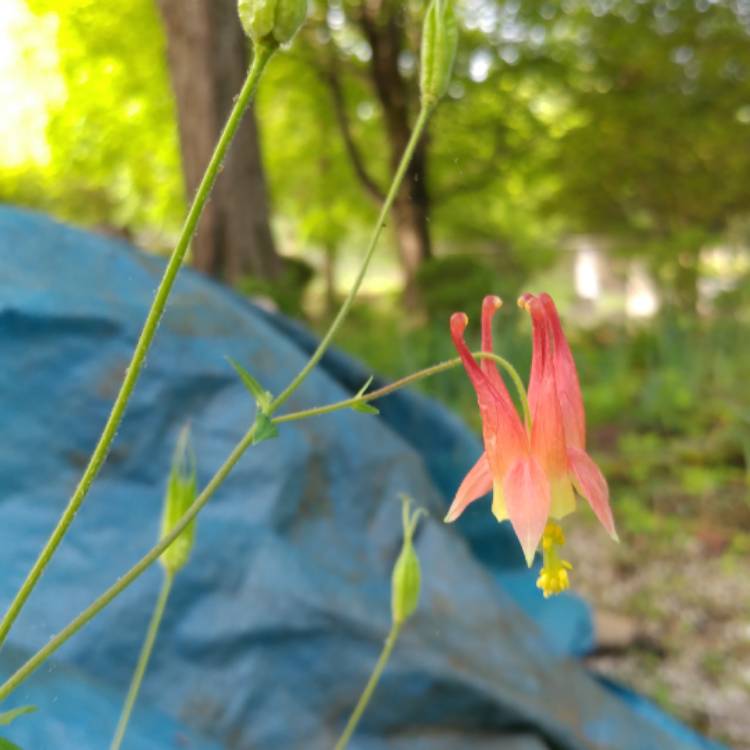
column 406, row 579
column 181, row 492
column 439, row 42
column 274, row 21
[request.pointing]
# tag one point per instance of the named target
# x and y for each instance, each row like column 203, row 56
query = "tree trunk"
column 208, row 58
column 380, row 24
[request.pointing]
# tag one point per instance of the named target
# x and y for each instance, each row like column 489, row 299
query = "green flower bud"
column 181, row 492
column 275, row 21
column 439, row 42
column 406, row 578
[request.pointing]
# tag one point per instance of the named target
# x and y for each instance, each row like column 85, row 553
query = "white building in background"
column 607, row 286
column 641, row 297
column 611, row 287
column 587, row 271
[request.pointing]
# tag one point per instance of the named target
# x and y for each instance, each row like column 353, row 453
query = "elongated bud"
column 439, row 42
column 407, row 578
column 181, row 492
column 272, row 21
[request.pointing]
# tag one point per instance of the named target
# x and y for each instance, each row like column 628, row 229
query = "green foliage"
column 312, row 181
column 265, row 429
column 262, row 397
column 660, row 91
column 457, row 282
column 619, row 119
column 288, row 291
column 113, row 140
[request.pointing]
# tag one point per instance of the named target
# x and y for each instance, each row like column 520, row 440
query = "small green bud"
column 181, row 492
column 275, row 21
column 406, row 578
column 439, row 42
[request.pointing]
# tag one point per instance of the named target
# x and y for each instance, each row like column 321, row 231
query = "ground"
column 673, row 624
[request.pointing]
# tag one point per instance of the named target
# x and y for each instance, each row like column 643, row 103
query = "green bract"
column 407, row 577
column 276, row 21
column 181, row 492
column 439, row 42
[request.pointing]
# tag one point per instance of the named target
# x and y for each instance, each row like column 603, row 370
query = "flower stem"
column 262, row 56
column 398, row 178
column 408, row 380
column 517, row 382
column 143, row 659
column 155, row 552
column 372, row 683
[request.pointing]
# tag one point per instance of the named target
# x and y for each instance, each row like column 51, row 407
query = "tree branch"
column 331, row 77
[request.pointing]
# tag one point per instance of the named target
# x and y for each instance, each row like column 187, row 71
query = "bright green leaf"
column 8, row 745
column 365, row 408
column 262, row 396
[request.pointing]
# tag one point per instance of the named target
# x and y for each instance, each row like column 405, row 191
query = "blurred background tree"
column 208, row 55
column 618, row 119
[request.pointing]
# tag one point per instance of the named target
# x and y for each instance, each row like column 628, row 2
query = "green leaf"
column 8, row 745
column 262, row 397
column 363, row 406
column 265, row 429
column 9, row 716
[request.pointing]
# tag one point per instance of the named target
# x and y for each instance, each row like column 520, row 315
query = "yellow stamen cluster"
column 553, row 577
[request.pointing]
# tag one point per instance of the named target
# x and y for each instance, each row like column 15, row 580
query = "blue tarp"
column 277, row 620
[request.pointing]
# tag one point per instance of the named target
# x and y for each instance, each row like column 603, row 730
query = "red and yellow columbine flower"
column 532, row 469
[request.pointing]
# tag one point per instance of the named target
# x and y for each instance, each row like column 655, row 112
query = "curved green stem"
column 372, row 683
column 371, row 396
column 408, row 380
column 398, row 178
column 262, row 56
column 143, row 659
column 517, row 382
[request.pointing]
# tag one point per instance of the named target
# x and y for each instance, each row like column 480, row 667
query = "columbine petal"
column 592, row 485
column 547, row 432
column 537, row 356
column 568, row 385
column 504, row 435
column 477, row 483
column 527, row 498
column 490, row 305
